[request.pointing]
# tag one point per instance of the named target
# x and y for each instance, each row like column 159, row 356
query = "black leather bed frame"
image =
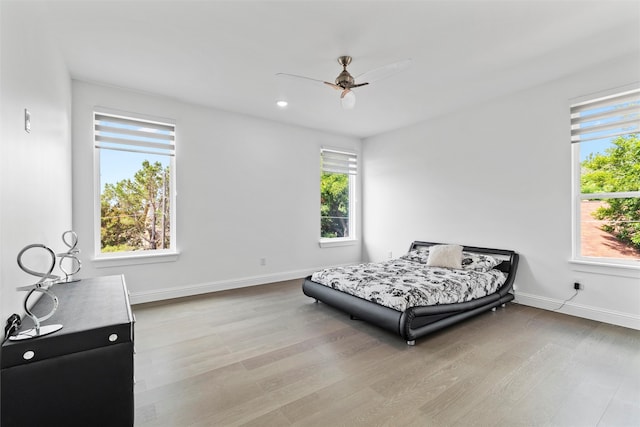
column 416, row 322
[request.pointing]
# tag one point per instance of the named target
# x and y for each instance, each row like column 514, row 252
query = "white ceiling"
column 225, row 54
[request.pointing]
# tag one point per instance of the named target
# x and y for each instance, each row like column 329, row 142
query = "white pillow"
column 449, row 256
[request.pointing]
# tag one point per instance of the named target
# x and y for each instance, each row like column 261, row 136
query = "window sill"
column 608, row 268
column 103, row 261
column 332, row 243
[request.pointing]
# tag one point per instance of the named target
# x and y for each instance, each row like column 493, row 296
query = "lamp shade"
column 348, row 101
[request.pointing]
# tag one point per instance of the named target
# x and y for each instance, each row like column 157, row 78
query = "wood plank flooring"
column 270, row 356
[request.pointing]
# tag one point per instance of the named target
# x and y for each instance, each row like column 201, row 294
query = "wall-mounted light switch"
column 27, row 120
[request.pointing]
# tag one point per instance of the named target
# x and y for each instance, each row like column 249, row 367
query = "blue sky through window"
column 118, row 165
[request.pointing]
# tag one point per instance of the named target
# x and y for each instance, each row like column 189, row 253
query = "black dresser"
column 81, row 375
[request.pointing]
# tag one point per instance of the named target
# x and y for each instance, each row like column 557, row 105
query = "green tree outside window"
column 334, row 205
column 616, row 170
column 135, row 213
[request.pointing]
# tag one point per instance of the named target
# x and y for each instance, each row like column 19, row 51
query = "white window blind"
column 134, row 135
column 606, row 117
column 339, row 162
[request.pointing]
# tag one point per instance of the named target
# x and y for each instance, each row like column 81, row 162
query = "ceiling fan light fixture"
column 348, row 100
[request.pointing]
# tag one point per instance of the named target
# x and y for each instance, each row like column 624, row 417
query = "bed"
column 412, row 296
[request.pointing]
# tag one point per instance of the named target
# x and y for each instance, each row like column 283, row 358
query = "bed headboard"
column 508, row 265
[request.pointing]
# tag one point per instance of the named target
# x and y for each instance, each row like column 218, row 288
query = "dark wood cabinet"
column 81, row 375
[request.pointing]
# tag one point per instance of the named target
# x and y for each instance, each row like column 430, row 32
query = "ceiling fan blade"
column 360, row 84
column 384, row 71
column 334, row 86
column 296, row 77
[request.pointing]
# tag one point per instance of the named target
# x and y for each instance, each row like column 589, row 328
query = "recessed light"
column 282, row 103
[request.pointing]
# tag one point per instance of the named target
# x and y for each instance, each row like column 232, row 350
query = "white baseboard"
column 594, row 313
column 221, row 285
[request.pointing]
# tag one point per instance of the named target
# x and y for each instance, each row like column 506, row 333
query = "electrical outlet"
column 263, row 261
column 577, row 286
column 390, row 255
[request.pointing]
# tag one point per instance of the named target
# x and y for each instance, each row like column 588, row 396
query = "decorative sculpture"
column 70, row 239
column 71, row 255
column 38, row 330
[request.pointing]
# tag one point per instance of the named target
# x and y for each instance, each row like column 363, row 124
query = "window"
column 135, row 160
column 605, row 134
column 337, row 195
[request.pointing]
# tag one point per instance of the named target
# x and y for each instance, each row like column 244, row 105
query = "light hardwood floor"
column 270, row 356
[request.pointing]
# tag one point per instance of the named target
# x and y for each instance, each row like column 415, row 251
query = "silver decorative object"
column 71, row 255
column 45, row 279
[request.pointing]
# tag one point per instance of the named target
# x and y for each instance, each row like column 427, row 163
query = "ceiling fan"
column 345, row 82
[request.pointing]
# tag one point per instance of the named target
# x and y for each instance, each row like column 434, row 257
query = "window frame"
column 352, row 239
column 111, row 259
column 578, row 196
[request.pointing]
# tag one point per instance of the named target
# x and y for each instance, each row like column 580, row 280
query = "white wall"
column 35, row 168
column 498, row 175
column 247, row 189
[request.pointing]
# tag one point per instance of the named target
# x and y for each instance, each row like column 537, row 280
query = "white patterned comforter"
column 401, row 283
